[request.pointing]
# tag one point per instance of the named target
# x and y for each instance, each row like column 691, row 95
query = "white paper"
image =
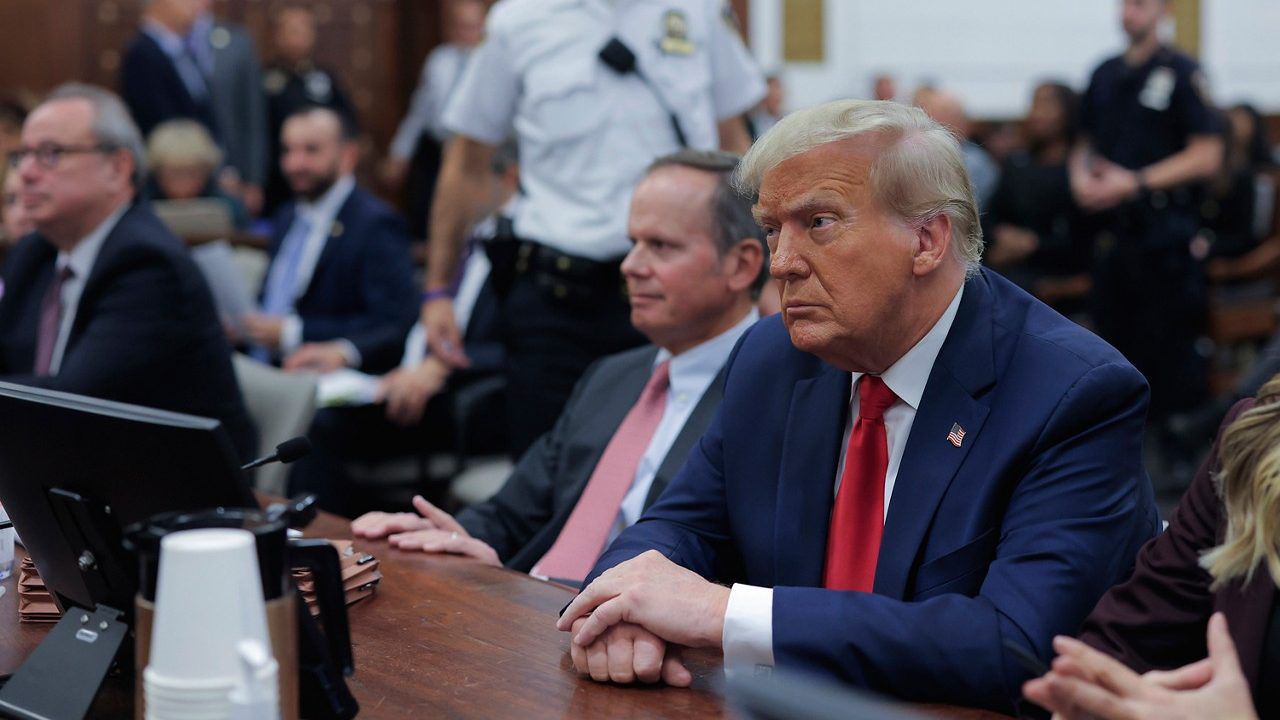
column 230, row 292
column 346, row 387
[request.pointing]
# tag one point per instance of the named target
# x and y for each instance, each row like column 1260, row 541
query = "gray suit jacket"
column 239, row 104
column 524, row 518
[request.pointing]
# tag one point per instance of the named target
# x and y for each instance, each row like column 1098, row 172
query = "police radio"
column 619, row 58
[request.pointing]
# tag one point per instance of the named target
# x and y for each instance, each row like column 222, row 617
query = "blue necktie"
column 282, row 279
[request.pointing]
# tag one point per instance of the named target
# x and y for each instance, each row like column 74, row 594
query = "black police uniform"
column 288, row 90
column 1149, row 292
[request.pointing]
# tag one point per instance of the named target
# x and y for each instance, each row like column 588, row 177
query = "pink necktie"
column 50, row 318
column 857, row 521
column 584, row 533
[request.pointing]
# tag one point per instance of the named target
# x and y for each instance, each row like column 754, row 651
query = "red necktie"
column 857, row 522
column 582, row 538
column 50, row 319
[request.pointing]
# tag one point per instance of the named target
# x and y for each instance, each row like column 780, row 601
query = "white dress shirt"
column 321, row 215
column 748, row 620
column 80, row 260
column 691, row 372
column 440, row 75
column 585, row 132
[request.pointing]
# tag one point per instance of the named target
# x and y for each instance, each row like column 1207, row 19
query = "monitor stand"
column 61, row 678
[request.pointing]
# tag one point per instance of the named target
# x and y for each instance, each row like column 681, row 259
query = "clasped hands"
column 1085, row 684
column 1104, row 185
column 431, row 530
column 632, row 623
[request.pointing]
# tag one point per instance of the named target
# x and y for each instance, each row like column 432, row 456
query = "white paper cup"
column 208, row 598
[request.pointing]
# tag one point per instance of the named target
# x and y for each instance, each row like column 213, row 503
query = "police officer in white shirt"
column 594, row 90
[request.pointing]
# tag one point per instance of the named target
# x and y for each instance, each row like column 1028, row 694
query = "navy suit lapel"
column 964, row 369
column 105, row 260
column 810, row 454
column 337, row 238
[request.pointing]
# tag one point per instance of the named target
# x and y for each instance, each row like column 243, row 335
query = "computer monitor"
column 132, row 460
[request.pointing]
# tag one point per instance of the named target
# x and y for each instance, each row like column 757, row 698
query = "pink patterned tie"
column 50, row 318
column 583, row 535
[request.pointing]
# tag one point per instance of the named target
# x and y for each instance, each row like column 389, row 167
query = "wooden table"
column 447, row 637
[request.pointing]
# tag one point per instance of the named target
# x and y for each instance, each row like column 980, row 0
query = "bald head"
column 947, row 110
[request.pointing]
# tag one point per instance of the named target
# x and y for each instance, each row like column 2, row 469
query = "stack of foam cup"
column 208, row 603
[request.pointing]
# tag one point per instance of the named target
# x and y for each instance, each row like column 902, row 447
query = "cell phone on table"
column 1026, row 659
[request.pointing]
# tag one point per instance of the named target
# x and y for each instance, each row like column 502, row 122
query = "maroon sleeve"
column 1157, row 619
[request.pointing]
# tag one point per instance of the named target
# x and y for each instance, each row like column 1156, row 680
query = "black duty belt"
column 568, row 277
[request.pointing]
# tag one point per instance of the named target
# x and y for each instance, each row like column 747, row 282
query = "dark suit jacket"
column 154, row 91
column 1013, row 535
column 362, row 288
column 240, row 105
column 523, row 520
column 1157, row 619
column 145, row 331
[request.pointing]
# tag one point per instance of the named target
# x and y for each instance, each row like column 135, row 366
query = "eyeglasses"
column 48, row 155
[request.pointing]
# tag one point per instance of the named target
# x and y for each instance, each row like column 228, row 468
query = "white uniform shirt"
column 441, row 73
column 748, row 620
column 586, row 133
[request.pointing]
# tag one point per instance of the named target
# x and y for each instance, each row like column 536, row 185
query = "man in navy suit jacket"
column 102, row 299
column 1008, row 493
column 160, row 78
column 339, row 290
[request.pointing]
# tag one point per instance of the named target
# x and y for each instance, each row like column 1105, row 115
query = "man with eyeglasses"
column 101, row 299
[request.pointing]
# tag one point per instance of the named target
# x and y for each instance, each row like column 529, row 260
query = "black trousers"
column 549, row 342
column 341, row 435
column 1150, row 302
column 420, row 183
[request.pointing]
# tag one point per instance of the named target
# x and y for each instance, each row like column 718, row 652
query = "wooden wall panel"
column 39, row 44
column 376, row 47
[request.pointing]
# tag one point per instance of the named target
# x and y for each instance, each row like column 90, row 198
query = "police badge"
column 675, row 27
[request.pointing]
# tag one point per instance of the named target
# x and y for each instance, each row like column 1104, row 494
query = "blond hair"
column 1250, row 489
column 920, row 174
column 182, row 143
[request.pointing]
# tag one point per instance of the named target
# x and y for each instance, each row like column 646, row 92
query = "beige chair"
column 282, row 404
column 480, row 480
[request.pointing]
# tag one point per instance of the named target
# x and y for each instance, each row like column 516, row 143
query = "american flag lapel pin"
column 956, row 436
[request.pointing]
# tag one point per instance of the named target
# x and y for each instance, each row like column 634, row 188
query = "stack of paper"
column 35, row 604
column 360, row 576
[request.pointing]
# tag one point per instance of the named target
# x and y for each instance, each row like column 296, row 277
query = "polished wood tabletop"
column 448, row 637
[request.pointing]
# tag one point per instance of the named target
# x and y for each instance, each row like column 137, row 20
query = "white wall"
column 1238, row 46
column 992, row 52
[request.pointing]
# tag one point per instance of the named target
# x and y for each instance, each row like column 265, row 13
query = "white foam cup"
column 208, row 600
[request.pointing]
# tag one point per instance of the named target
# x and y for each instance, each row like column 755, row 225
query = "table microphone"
column 286, row 452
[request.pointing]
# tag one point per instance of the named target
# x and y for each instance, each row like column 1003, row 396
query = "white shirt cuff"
column 349, row 352
column 290, row 334
column 748, row 630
